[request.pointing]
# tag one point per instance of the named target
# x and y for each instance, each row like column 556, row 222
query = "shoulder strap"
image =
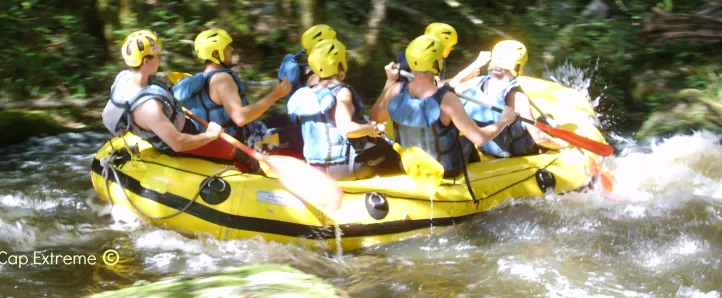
column 241, row 87
column 404, row 86
column 483, row 79
column 147, row 94
column 441, row 92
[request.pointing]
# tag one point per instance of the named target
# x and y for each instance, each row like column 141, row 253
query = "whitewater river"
column 659, row 234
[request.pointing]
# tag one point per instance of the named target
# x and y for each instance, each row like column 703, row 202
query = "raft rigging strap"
column 108, row 166
column 466, row 173
column 468, row 182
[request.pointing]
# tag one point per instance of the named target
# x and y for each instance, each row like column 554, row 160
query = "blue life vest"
column 293, row 70
column 193, row 92
column 322, row 142
column 417, row 122
column 514, row 140
column 117, row 112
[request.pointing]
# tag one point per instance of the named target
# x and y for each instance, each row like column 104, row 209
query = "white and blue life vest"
column 117, row 112
column 322, row 142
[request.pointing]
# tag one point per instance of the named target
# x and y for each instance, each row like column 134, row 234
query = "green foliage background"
column 58, row 49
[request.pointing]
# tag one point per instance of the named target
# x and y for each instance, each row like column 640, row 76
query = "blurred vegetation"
column 69, row 49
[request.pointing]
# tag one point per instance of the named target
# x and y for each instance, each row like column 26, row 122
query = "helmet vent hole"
column 213, row 35
column 150, row 41
column 127, row 49
column 141, row 47
column 317, row 35
column 333, row 47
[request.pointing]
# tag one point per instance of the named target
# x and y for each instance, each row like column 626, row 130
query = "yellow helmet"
column 326, row 56
column 445, row 33
column 210, row 41
column 138, row 45
column 316, row 34
column 510, row 55
column 423, row 51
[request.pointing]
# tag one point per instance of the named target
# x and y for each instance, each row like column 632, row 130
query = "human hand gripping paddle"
column 590, row 145
column 299, row 178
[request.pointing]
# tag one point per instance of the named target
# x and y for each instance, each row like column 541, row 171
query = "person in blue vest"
column 331, row 115
column 141, row 104
column 500, row 88
column 429, row 117
column 217, row 94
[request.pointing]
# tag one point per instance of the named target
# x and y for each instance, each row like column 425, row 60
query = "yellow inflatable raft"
column 192, row 196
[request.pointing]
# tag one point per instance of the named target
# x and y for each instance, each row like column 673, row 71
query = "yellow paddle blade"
column 422, row 167
column 175, row 76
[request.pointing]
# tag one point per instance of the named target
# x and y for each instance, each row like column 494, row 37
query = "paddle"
column 175, row 76
column 299, row 178
column 419, row 165
column 605, row 177
column 572, row 138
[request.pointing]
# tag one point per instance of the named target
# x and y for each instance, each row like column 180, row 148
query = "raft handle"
column 377, row 205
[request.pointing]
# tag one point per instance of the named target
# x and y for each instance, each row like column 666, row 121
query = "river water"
column 659, row 234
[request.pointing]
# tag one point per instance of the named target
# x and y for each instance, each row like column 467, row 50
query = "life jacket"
column 322, row 142
column 117, row 114
column 293, row 70
column 417, row 122
column 193, row 93
column 514, row 140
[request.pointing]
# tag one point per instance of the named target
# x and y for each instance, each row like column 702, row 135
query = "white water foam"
column 169, row 251
column 677, row 168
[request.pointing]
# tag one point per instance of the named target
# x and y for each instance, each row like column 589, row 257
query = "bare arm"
column 150, row 116
column 461, row 87
column 379, row 112
column 522, row 106
column 343, row 117
column 224, row 89
column 470, row 71
column 451, row 105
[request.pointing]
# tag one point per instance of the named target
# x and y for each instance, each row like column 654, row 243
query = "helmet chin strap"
column 224, row 64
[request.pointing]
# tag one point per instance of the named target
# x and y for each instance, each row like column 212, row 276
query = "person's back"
column 331, row 116
column 427, row 117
